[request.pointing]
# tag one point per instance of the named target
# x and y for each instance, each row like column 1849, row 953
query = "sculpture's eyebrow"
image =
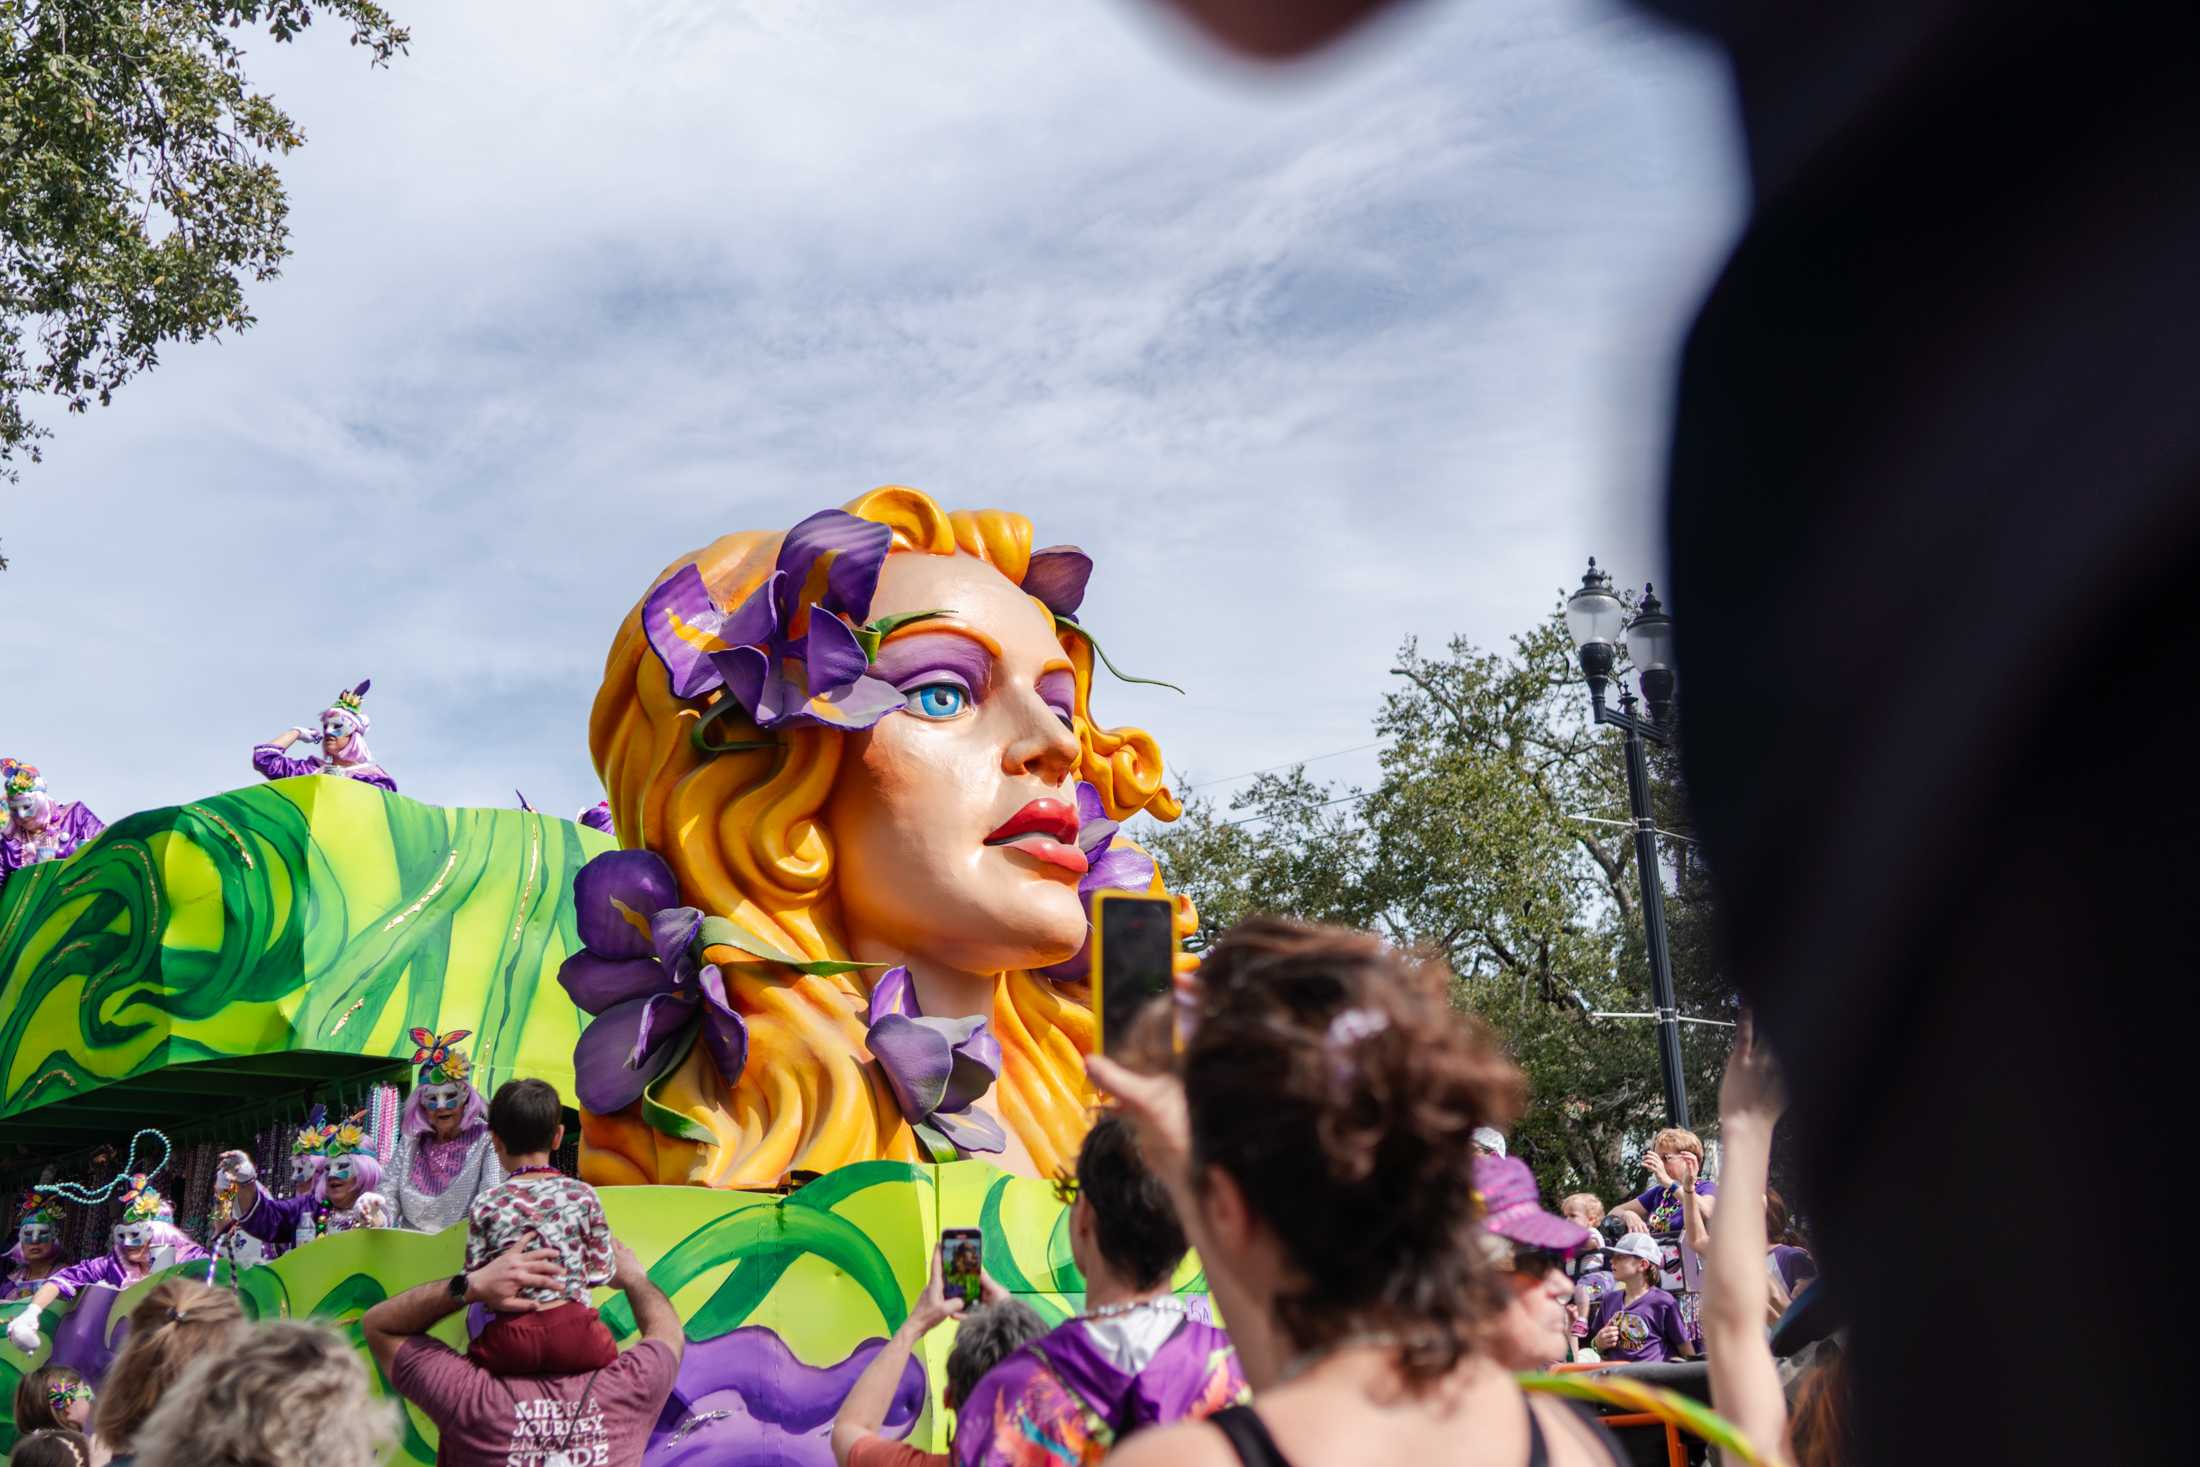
column 934, row 646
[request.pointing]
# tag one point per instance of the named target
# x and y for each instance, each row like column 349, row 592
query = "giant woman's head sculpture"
column 863, row 802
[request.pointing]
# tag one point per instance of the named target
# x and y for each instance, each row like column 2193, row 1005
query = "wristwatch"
column 457, row 1287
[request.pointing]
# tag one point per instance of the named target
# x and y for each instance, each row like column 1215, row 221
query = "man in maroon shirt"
column 603, row 1416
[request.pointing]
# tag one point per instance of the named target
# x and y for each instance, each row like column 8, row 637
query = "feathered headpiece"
column 141, row 1203
column 314, row 1136
column 439, row 1063
column 18, row 778
column 39, row 1208
column 351, row 703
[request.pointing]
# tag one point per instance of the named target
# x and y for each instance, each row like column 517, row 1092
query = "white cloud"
column 1310, row 361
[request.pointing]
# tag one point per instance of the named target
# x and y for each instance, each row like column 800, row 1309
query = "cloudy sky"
column 1311, row 361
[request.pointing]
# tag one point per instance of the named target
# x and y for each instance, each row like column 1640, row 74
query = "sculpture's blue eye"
column 937, row 700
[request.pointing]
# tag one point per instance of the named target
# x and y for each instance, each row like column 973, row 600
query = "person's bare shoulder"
column 1187, row 1444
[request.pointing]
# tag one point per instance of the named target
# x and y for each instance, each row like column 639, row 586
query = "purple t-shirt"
column 1661, row 1204
column 1796, row 1266
column 534, row 1421
column 1664, row 1333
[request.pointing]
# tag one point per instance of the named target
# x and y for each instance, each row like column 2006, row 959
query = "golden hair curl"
column 744, row 833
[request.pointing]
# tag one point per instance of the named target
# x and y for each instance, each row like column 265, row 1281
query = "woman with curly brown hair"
column 1314, row 1132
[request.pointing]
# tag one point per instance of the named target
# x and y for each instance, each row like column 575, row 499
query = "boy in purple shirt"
column 1638, row 1322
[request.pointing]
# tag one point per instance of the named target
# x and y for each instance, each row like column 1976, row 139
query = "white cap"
column 1642, row 1246
column 1490, row 1139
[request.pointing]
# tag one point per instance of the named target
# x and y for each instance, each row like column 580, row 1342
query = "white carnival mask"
column 23, row 806
column 133, row 1235
column 33, row 1233
column 445, row 1097
column 343, row 1169
column 301, row 1169
column 338, row 726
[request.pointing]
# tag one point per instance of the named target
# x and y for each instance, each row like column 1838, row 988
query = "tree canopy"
column 137, row 195
column 1497, row 838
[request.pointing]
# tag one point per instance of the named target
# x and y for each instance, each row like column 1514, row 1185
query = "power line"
column 1325, row 804
column 1191, row 785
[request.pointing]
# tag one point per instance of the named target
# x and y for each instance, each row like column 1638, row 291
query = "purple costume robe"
column 273, row 763
column 72, row 825
column 274, row 1220
column 108, row 1267
column 1066, row 1398
column 14, row 1284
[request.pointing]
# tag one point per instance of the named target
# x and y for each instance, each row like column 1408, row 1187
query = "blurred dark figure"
column 1935, row 532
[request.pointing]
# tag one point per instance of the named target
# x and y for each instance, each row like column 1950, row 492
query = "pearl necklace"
column 1166, row 1304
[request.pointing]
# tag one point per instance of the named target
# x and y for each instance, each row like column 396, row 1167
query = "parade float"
column 819, row 993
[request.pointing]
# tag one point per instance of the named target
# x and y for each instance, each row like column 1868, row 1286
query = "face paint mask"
column 133, row 1235
column 443, row 1097
column 31, row 1234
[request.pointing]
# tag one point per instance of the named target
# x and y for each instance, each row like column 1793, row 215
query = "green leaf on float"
column 875, row 631
column 722, row 932
column 663, row 1117
column 1120, row 675
column 936, row 1145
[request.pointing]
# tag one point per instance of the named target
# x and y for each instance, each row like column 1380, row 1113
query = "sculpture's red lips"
column 1046, row 830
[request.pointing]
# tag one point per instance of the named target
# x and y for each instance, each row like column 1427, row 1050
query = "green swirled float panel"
column 783, row 1299
column 314, row 914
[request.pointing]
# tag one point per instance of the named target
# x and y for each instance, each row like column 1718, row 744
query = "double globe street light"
column 1597, row 620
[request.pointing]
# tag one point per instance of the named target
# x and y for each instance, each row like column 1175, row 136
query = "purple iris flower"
column 641, row 974
column 828, row 564
column 937, row 1067
column 1109, row 867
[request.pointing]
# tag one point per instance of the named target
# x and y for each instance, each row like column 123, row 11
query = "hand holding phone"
column 1133, row 959
column 962, row 1264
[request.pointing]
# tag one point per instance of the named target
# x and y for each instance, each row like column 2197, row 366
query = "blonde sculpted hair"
column 290, row 1394
column 745, row 833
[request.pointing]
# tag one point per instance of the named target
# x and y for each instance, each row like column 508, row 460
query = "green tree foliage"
column 1496, row 838
column 136, row 191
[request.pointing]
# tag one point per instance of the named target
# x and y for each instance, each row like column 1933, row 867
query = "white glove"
column 239, row 1166
column 23, row 1330
column 308, row 735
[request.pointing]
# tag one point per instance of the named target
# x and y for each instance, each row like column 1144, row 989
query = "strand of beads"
column 90, row 1197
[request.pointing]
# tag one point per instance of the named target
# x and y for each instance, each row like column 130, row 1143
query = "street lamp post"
column 1597, row 620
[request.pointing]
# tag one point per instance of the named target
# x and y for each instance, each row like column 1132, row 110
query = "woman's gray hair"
column 984, row 1337
column 289, row 1394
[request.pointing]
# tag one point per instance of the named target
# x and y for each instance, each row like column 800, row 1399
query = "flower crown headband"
column 439, row 1063
column 822, row 582
column 350, row 699
column 20, row 778
column 35, row 1208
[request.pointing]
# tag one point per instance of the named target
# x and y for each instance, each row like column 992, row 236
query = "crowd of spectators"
column 1316, row 1119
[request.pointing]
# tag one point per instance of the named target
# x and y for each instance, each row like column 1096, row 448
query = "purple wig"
column 414, row 1122
column 365, row 1163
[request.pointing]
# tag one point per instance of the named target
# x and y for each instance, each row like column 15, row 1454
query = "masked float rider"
column 343, row 735
column 146, row 1239
column 444, row 1159
column 36, row 1253
column 332, row 1175
column 34, row 828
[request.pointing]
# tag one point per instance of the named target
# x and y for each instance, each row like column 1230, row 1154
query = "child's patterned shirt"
column 562, row 1212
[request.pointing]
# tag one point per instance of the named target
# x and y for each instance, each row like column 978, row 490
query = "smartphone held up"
column 1133, row 959
column 962, row 1264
